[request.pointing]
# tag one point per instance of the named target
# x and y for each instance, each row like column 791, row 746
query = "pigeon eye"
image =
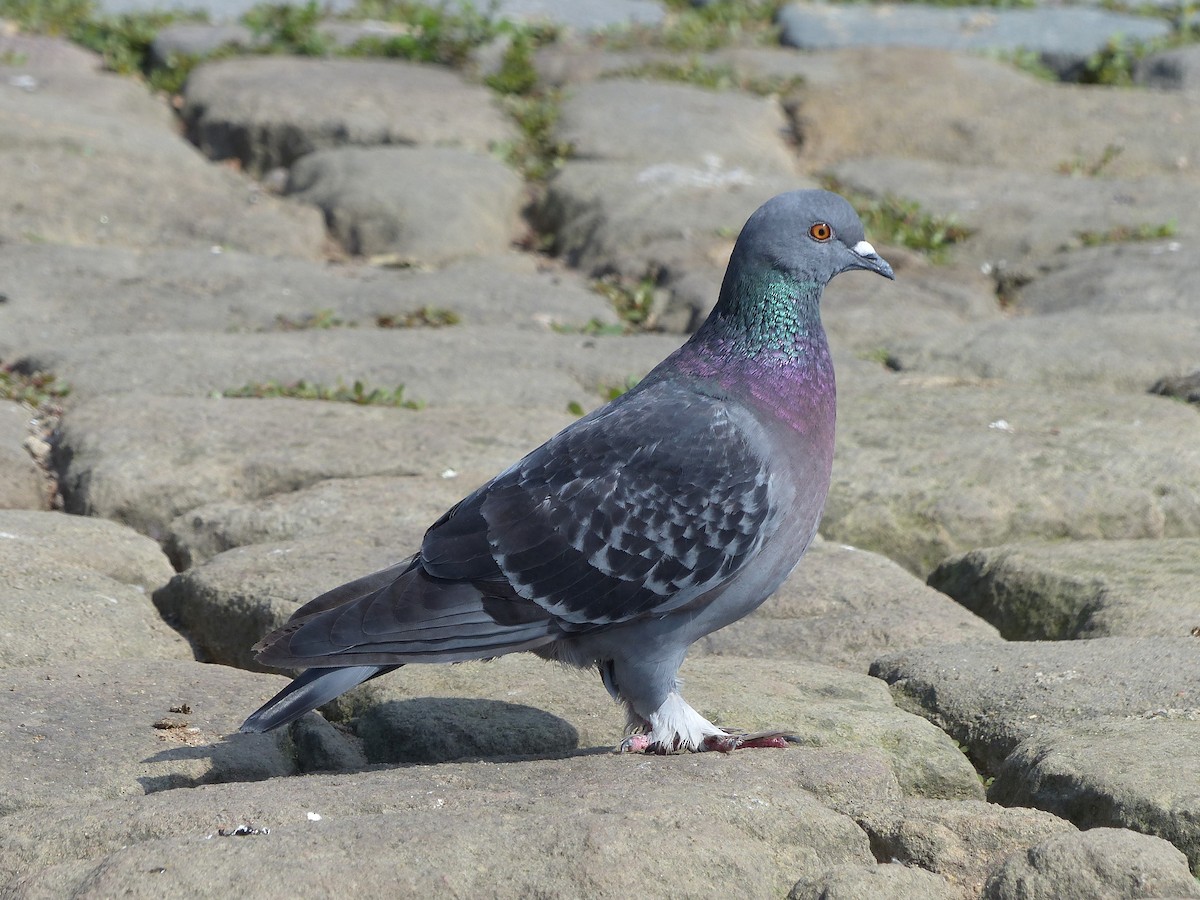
column 820, row 231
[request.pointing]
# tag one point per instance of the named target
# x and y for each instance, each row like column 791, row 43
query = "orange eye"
column 820, row 231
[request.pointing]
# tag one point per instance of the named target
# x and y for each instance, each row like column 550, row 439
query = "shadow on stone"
column 441, row 729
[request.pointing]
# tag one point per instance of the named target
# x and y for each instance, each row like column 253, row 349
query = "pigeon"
column 668, row 513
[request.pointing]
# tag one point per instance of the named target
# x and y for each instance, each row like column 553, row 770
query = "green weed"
column 284, row 28
column 710, row 77
column 57, row 17
column 424, row 317
column 1094, row 167
column 634, row 302
column 302, row 390
column 321, row 319
column 607, row 392
column 35, row 389
column 516, row 75
column 894, row 220
column 591, row 327
column 689, row 28
column 538, row 153
column 1127, row 233
column 1113, row 64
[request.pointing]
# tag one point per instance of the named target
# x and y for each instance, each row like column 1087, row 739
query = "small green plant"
column 538, row 153
column 431, row 33
column 424, row 317
column 123, row 40
column 612, row 392
column 284, row 28
column 35, row 389
column 710, row 77
column 516, row 75
column 1112, row 64
column 1126, row 233
column 13, row 58
column 607, row 392
column 1029, row 61
column 883, row 357
column 302, row 390
column 699, row 29
column 56, row 17
column 633, row 302
column 321, row 319
column 1091, row 168
column 893, row 220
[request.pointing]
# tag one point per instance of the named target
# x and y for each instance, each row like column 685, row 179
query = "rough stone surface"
column 21, row 483
column 1024, row 466
column 402, row 505
column 962, row 841
column 1175, row 69
column 846, row 607
column 1067, row 37
column 87, row 150
column 73, row 589
column 995, row 204
column 994, row 696
column 1079, row 589
column 1142, row 774
column 183, row 39
column 889, row 881
column 418, row 205
column 1139, row 277
column 233, row 599
column 209, row 450
column 197, row 291
column 740, row 819
column 121, row 711
column 460, row 367
column 1079, row 348
column 668, row 127
column 580, row 15
column 269, row 111
column 1185, row 387
column 860, row 103
column 1105, row 862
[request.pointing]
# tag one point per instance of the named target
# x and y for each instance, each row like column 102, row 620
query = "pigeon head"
column 810, row 236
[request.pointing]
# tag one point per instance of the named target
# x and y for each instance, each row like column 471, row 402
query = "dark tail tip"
column 310, row 689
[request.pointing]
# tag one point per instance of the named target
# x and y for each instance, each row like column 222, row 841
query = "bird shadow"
column 419, row 731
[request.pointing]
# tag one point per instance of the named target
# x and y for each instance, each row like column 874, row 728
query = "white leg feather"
column 673, row 726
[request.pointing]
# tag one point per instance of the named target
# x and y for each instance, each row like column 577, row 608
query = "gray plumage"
column 670, row 512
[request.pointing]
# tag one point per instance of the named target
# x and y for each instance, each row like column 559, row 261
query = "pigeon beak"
column 867, row 258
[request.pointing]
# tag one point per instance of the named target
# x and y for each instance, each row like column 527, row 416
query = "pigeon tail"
column 311, row 689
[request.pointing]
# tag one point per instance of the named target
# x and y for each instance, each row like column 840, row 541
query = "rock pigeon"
column 658, row 518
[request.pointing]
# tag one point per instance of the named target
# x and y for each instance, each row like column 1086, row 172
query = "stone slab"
column 268, row 111
column 930, row 467
column 1080, row 589
column 416, row 205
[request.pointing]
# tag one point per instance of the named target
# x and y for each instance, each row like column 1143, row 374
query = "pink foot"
column 726, row 743
column 635, row 743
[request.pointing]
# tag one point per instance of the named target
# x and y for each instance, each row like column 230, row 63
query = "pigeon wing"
column 637, row 510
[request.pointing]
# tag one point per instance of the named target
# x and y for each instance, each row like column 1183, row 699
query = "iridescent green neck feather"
column 766, row 314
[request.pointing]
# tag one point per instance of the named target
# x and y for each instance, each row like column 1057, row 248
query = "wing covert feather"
column 633, row 512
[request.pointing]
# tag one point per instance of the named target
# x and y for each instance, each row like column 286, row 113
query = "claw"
column 635, row 743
